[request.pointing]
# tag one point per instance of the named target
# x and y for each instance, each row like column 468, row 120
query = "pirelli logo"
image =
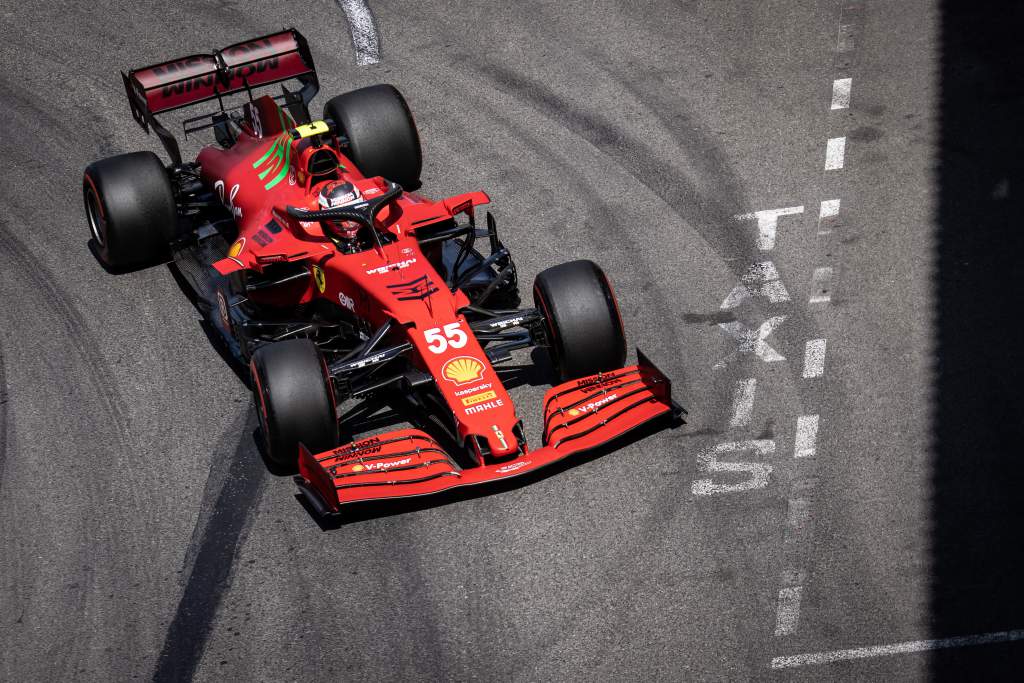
column 478, row 398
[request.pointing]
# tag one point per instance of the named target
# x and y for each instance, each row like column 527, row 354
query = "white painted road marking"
column 761, row 279
column 845, row 41
column 364, row 33
column 814, row 658
column 798, row 515
column 821, row 281
column 814, row 358
column 751, row 341
column 758, row 471
column 767, row 223
column 827, row 216
column 835, row 150
column 805, row 444
column 841, row 93
column 787, row 613
column 743, row 402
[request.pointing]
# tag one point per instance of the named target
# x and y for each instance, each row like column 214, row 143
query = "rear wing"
column 191, row 80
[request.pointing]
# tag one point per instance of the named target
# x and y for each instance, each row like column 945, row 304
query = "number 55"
column 453, row 337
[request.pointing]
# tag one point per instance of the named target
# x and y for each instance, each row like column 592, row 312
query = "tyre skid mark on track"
column 603, row 213
column 3, row 417
column 27, row 268
column 636, row 158
column 230, row 498
column 35, row 272
column 681, row 195
column 98, row 133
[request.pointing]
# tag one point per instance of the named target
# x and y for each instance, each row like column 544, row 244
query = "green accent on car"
column 277, row 157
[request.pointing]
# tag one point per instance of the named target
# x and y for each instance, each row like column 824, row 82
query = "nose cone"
column 502, row 442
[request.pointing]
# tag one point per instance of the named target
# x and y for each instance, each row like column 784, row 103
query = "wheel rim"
column 92, row 210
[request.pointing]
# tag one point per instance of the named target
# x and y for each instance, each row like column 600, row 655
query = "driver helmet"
column 340, row 193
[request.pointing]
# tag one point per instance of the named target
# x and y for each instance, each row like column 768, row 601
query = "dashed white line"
column 805, row 444
column 827, row 216
column 821, row 281
column 845, row 41
column 364, row 33
column 787, row 613
column 835, row 150
column 841, row 93
column 911, row 646
column 798, row 516
column 814, row 358
column 743, row 402
column 767, row 223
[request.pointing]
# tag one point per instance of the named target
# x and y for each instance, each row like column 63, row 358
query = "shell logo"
column 462, row 370
column 358, row 468
column 236, row 248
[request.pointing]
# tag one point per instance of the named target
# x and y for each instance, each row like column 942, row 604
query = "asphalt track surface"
column 141, row 535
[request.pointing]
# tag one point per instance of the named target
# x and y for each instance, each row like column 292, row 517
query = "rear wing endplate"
column 191, row 80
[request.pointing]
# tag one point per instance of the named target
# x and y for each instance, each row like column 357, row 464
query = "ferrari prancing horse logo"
column 320, row 279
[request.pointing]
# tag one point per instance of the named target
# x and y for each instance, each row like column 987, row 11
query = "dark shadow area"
column 978, row 416
column 229, row 502
column 232, row 360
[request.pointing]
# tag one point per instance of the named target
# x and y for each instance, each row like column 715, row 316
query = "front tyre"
column 382, row 135
column 581, row 319
column 294, row 400
column 129, row 204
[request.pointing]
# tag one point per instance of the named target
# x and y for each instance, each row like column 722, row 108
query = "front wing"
column 578, row 416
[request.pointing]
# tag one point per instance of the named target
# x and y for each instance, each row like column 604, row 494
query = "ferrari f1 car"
column 318, row 265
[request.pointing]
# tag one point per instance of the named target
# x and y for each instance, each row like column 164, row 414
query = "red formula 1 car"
column 316, row 262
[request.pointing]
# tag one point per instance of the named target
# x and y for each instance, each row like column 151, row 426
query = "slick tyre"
column 582, row 319
column 294, row 401
column 130, row 207
column 382, row 136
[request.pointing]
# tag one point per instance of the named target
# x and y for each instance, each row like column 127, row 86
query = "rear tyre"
column 294, row 400
column 582, row 319
column 130, row 207
column 381, row 132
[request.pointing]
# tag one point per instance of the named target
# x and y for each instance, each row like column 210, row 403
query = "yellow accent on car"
column 479, row 398
column 320, row 279
column 463, row 369
column 310, row 129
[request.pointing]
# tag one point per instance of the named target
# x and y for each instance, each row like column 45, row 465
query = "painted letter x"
column 751, row 341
